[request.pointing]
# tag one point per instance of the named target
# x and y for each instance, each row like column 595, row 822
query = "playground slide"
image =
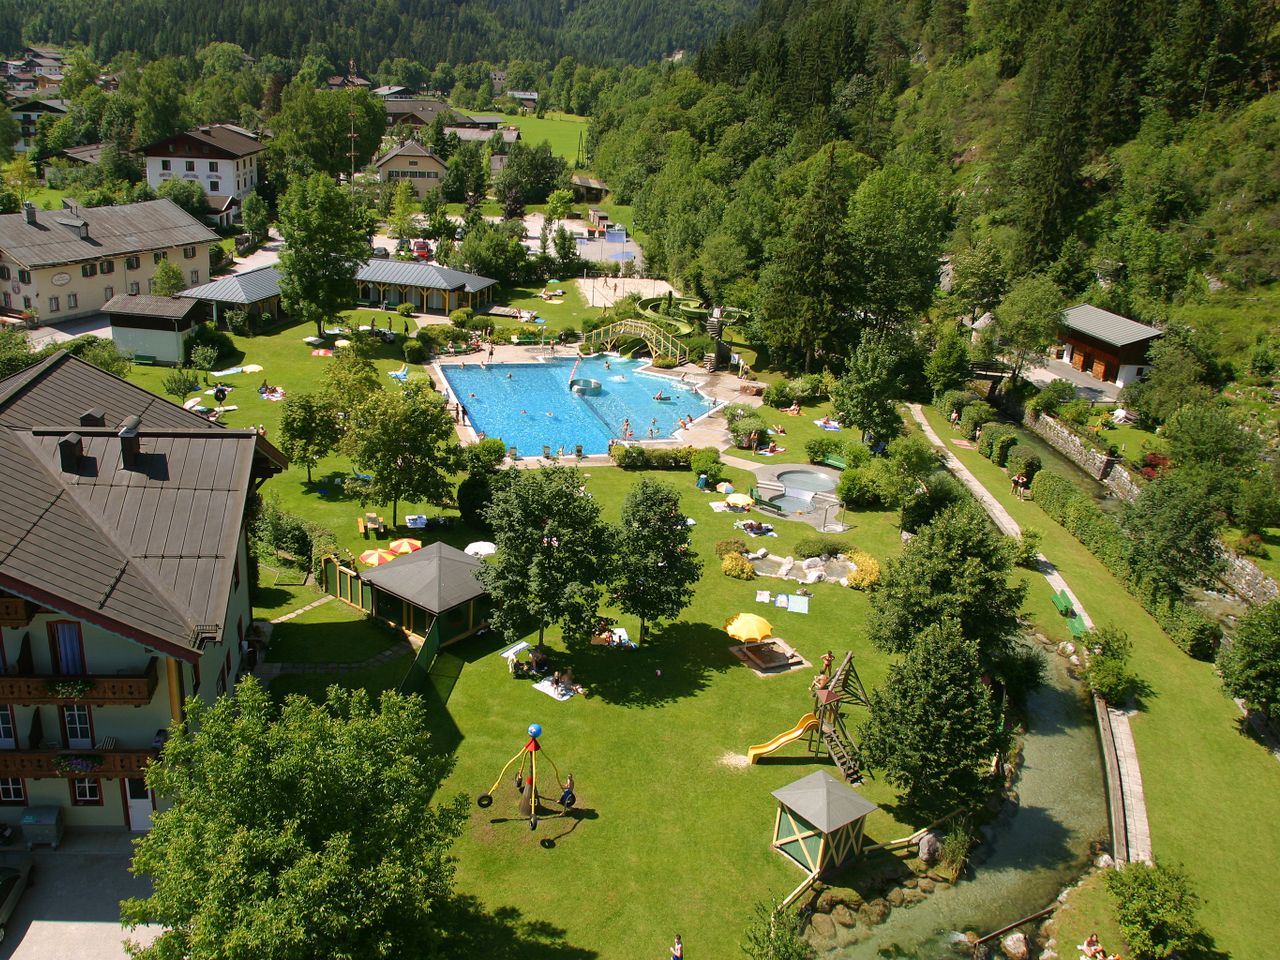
column 807, row 723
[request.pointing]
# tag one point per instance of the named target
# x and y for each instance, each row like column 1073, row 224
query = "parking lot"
column 72, row 908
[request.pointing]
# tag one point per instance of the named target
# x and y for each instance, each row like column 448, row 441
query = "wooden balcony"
column 100, row 763
column 101, row 690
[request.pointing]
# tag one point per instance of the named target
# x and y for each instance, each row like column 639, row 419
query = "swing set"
column 531, row 802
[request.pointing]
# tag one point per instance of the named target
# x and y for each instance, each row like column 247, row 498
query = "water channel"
column 1034, row 853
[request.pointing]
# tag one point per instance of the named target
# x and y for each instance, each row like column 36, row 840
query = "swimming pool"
column 530, row 406
column 810, row 481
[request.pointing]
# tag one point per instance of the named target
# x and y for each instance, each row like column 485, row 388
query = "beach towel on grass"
column 764, row 596
column 781, row 601
column 719, row 506
column 798, row 604
column 827, row 426
column 230, row 371
column 550, row 689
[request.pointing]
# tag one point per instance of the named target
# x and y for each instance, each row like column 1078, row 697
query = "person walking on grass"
column 677, row 949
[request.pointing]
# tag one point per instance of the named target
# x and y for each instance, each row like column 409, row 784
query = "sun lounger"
column 313, row 341
column 1077, row 626
column 402, row 374
column 1063, row 603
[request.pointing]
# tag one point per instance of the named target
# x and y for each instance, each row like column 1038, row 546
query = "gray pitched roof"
column 145, row 305
column 147, row 553
column 416, row 274
column 89, row 153
column 482, row 134
column 436, row 578
column 225, row 138
column 1107, row 326
column 113, row 232
column 410, row 148
column 424, row 109
column 251, row 286
column 824, row 801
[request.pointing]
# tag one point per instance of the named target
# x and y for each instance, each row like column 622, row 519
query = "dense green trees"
column 313, row 131
column 256, row 851
column 1250, row 664
column 656, row 565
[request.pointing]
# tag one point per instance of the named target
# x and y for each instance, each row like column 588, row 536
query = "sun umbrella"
column 738, row 500
column 191, row 403
column 404, row 546
column 481, row 548
column 724, row 487
column 253, row 368
column 322, row 353
column 375, row 557
column 748, row 626
column 342, row 343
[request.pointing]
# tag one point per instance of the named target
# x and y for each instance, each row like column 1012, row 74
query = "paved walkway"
column 301, row 610
column 1137, row 827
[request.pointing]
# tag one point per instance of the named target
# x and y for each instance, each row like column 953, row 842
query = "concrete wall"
column 67, row 281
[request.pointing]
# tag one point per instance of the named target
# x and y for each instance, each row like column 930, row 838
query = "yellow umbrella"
column 738, row 500
column 375, row 557
column 748, row 626
column 404, row 546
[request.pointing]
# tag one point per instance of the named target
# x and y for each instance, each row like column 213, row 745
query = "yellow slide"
column 807, row 723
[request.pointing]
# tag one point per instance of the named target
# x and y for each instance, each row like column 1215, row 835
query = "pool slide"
column 807, row 722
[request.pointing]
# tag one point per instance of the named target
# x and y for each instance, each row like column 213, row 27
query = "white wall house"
column 222, row 158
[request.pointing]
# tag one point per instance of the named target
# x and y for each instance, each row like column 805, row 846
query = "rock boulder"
column 930, row 848
column 1015, row 946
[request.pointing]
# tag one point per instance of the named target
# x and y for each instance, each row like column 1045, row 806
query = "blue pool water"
column 530, row 406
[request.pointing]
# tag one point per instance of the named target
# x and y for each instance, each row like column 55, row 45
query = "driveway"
column 267, row 255
column 72, row 908
column 1086, row 386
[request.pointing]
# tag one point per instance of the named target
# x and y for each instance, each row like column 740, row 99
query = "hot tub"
column 810, row 481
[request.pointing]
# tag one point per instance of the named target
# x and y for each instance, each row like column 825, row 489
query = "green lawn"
column 1208, row 785
column 279, row 591
column 330, row 633
column 385, row 677
column 1088, row 911
column 559, row 316
column 46, row 198
column 561, row 130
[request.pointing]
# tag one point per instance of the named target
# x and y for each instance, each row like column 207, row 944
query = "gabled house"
column 528, row 99
column 63, row 264
column 123, row 583
column 1105, row 345
column 413, row 162
column 420, row 112
column 221, row 157
column 28, row 114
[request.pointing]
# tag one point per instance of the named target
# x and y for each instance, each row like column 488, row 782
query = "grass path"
column 1213, row 793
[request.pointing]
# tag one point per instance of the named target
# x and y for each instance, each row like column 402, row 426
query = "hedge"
column 818, row 546
column 636, row 457
column 1001, row 446
column 996, row 431
column 1194, row 633
column 955, row 400
column 1023, row 460
column 974, row 415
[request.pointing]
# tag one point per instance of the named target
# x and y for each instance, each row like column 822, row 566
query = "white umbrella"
column 253, row 368
column 342, row 343
column 481, row 548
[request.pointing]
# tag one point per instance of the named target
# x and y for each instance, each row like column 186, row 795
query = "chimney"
column 94, row 417
column 29, row 211
column 70, row 448
column 129, row 443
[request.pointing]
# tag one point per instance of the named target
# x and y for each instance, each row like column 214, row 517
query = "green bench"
column 1077, row 626
column 838, row 462
column 144, row 359
column 1063, row 603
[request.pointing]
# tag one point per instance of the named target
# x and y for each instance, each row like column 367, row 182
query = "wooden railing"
column 660, row 342
column 125, row 689
column 75, row 763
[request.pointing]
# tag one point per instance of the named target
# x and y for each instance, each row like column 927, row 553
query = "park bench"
column 1063, row 603
column 840, row 463
column 361, row 527
column 145, row 359
column 1077, row 626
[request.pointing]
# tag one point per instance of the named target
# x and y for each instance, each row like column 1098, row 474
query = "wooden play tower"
column 830, row 736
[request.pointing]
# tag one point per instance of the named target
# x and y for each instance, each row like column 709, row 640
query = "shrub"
column 635, row 457
column 629, row 456
column 1107, row 672
column 205, row 335
column 1052, row 396
column 414, row 351
column 809, row 387
column 819, row 448
column 727, row 548
column 855, row 453
column 974, row 415
column 406, row 309
column 737, row 566
column 954, row 401
column 778, row 395
column 1155, row 908
column 991, row 434
column 240, row 322
column 919, row 508
column 857, row 489
column 1077, row 412
column 179, row 382
column 867, row 572
column 461, row 317
column 819, row 546
column 744, row 429
column 1252, row 545
column 707, row 460
column 956, row 846
column 1026, row 549
column 1001, row 446
column 204, row 356
column 666, row 363
column 1021, row 459
column 736, row 411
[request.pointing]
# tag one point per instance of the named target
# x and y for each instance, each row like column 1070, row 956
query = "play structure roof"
column 824, row 801
column 436, row 578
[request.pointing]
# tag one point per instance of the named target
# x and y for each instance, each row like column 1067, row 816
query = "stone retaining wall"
column 1243, row 576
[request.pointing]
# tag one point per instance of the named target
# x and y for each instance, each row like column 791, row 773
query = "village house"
column 221, row 157
column 420, row 112
column 528, row 99
column 62, row 264
column 28, row 114
column 153, row 330
column 124, row 585
column 413, row 162
column 1105, row 345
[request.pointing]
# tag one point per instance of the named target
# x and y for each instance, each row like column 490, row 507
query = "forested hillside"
column 370, row 31
column 1124, row 152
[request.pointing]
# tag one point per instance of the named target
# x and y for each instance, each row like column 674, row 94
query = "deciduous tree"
column 1174, row 525
column 1156, row 909
column 187, row 194
column 1206, row 434
column 948, row 365
column 554, row 553
column 308, row 429
column 168, row 280
column 1251, row 664
column 401, row 223
column 325, row 244
column 932, row 727
column 258, row 855
column 1027, row 321
column 255, row 216
column 656, row 565
column 864, row 396
column 404, row 440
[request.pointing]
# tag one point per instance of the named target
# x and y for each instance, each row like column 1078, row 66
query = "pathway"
column 1137, row 828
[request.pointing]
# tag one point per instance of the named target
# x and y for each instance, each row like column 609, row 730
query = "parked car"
column 380, row 253
column 14, row 880
column 422, row 249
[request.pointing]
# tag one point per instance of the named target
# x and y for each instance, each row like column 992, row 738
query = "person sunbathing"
column 828, row 422
column 794, row 409
column 779, row 430
column 772, row 448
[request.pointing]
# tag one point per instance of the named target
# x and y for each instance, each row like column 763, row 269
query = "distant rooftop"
column 1107, row 326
